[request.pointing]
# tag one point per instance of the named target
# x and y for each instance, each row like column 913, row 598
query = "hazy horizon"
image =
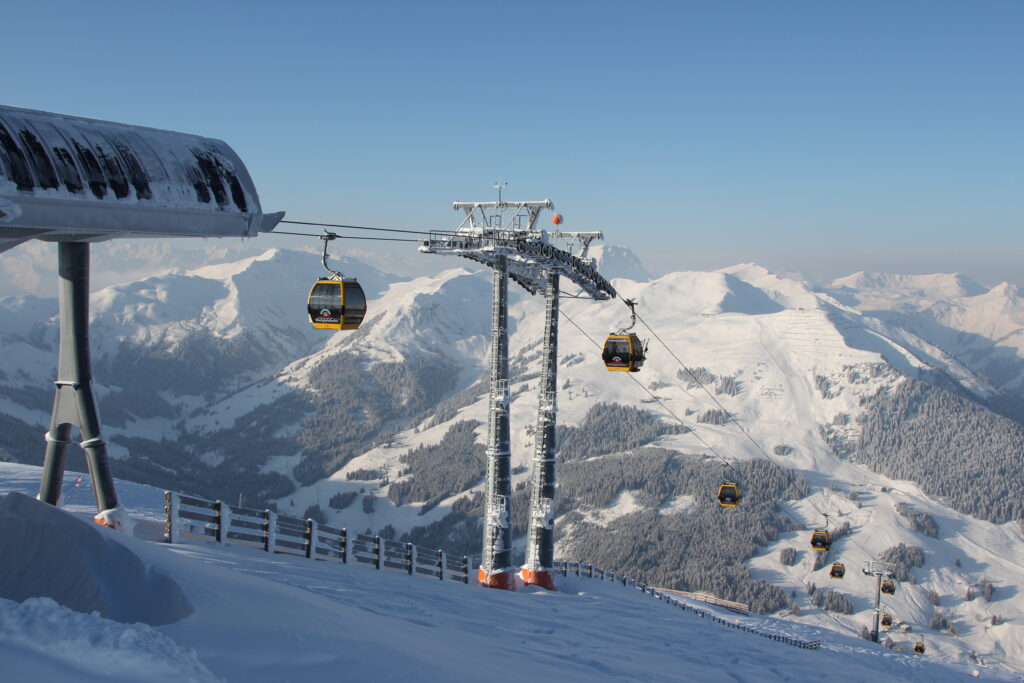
column 821, row 138
column 31, row 268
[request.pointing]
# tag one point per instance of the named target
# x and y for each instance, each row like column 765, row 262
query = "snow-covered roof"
column 70, row 178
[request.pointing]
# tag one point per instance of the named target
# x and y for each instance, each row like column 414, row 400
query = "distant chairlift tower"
column 880, row 570
column 503, row 235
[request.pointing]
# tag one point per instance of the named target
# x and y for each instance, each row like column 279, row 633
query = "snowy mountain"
column 616, row 261
column 981, row 328
column 212, row 382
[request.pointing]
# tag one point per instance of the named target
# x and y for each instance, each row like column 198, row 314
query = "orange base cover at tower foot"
column 504, row 580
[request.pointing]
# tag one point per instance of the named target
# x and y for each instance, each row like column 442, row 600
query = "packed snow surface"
column 260, row 617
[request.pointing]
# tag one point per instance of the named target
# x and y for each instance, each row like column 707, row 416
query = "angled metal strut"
column 74, row 403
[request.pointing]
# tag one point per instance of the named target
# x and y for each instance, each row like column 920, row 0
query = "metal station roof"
column 67, row 178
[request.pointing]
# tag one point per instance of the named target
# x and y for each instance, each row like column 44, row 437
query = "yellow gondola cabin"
column 623, row 352
column 728, row 495
column 336, row 304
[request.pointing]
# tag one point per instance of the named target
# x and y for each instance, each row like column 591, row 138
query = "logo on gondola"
column 327, row 317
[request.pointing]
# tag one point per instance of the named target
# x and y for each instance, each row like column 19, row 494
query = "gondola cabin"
column 919, row 648
column 838, row 570
column 886, row 620
column 888, row 587
column 820, row 539
column 336, row 305
column 623, row 352
column 728, row 495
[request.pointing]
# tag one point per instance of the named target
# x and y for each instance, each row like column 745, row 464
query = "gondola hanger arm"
column 325, row 238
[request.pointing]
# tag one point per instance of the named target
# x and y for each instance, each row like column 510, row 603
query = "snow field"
column 265, row 617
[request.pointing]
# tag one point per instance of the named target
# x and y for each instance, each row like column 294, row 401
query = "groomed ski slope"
column 276, row 618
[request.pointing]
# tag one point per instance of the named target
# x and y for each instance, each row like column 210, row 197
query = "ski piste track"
column 222, row 527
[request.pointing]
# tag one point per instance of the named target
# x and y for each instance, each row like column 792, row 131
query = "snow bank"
column 45, row 552
column 8, row 210
column 43, row 641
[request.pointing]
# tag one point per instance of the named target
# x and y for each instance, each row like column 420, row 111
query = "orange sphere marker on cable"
column 556, row 218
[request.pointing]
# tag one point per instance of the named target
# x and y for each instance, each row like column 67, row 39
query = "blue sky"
column 822, row 137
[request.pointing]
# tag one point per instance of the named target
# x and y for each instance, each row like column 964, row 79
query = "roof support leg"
column 74, row 403
column 540, row 545
column 496, row 569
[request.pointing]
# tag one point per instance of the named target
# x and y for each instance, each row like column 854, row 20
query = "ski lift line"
column 732, row 419
column 657, row 400
column 348, row 237
column 363, row 227
column 705, row 443
column 718, row 403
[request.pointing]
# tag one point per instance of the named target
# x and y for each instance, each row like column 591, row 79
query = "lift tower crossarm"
column 530, row 254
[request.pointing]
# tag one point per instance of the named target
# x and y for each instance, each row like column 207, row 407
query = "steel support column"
column 878, row 607
column 496, row 569
column 74, row 403
column 540, row 546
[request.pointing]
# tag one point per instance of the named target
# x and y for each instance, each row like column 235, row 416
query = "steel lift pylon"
column 504, row 236
column 880, row 570
column 540, row 543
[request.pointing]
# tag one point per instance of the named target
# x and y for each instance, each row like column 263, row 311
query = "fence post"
column 218, row 519
column 272, row 532
column 378, row 548
column 577, row 568
column 590, row 571
column 266, row 531
column 410, row 557
column 465, row 569
column 440, row 564
column 171, row 510
column 310, row 539
column 344, row 546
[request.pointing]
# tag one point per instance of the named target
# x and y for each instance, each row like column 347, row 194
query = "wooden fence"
column 738, row 607
column 591, row 572
column 193, row 518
